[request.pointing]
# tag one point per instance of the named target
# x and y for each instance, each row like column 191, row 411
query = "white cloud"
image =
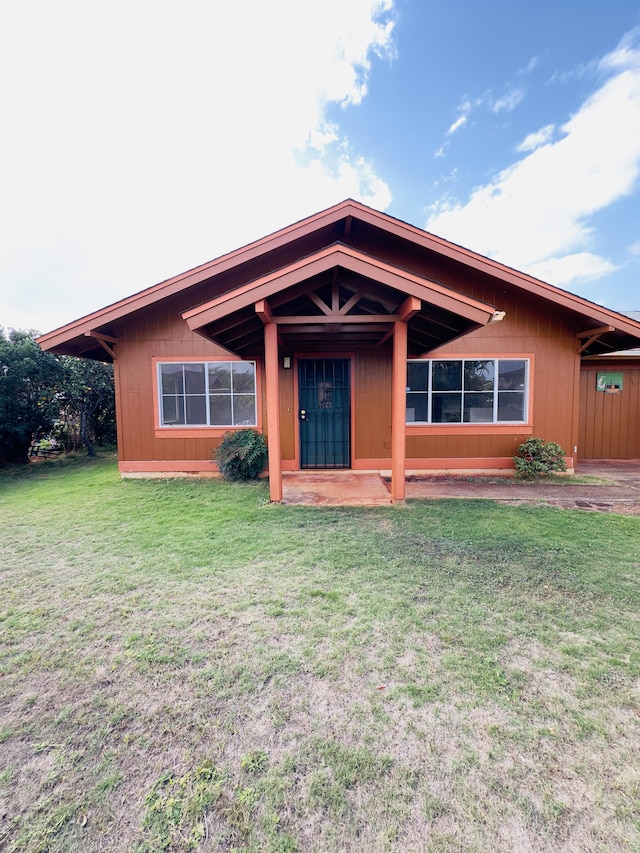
column 626, row 54
column 141, row 139
column 529, row 67
column 634, row 249
column 537, row 210
column 509, row 101
column 506, row 103
column 457, row 124
column 536, row 139
column 580, row 266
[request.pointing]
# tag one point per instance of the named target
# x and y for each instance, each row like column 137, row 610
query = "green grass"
column 186, row 667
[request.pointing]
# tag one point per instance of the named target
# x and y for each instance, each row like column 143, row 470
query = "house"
column 353, row 340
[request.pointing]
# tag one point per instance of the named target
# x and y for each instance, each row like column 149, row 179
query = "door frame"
column 349, row 356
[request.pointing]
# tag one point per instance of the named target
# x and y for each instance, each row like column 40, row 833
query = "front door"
column 324, row 412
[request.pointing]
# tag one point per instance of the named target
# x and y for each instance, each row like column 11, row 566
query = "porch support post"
column 273, row 411
column 398, row 412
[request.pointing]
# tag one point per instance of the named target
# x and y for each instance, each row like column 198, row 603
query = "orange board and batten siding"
column 528, row 331
column 609, row 423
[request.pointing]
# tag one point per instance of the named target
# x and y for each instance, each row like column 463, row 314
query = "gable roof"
column 262, row 258
column 363, row 312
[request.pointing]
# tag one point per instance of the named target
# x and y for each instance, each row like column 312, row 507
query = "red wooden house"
column 353, row 340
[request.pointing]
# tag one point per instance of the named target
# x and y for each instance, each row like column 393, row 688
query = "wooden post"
column 273, row 411
column 399, row 412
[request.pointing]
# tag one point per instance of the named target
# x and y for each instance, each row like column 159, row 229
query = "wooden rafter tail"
column 409, row 308
column 264, row 311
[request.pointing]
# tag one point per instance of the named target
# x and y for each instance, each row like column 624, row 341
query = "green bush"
column 241, row 455
column 537, row 458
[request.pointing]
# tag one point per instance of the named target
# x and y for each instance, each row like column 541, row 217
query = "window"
column 474, row 390
column 210, row 393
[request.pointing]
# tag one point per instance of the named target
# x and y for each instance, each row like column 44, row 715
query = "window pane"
column 231, row 399
column 512, row 374
column 220, row 410
column 446, row 408
column 243, row 378
column 478, row 375
column 418, row 376
column 416, row 408
column 172, row 378
column 478, row 408
column 511, row 406
column 172, row 410
column 447, row 376
column 194, row 378
column 244, row 410
column 220, row 377
column 196, row 409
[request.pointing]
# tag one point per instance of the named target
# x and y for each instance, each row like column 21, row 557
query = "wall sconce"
column 286, row 362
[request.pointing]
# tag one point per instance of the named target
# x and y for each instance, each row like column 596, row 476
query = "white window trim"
column 469, row 424
column 207, row 394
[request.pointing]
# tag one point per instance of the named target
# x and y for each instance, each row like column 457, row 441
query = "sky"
column 140, row 139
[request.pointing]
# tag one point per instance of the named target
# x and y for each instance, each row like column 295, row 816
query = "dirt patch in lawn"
column 618, row 507
column 610, row 487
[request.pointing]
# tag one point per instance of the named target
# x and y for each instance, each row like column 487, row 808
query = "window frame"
column 493, row 426
column 207, row 430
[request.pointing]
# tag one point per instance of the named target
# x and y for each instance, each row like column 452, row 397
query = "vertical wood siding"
column 609, row 423
column 529, row 327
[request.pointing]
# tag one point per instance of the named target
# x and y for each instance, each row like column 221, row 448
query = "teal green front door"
column 324, row 412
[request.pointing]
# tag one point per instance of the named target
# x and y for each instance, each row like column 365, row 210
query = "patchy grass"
column 185, row 667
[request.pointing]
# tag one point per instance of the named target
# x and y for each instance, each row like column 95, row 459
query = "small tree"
column 538, row 458
column 241, row 455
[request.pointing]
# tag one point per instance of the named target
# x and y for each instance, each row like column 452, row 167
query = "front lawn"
column 185, row 667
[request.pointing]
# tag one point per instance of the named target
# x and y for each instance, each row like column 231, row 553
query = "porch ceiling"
column 338, row 298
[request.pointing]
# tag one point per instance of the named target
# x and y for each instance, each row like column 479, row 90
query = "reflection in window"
column 219, row 394
column 487, row 390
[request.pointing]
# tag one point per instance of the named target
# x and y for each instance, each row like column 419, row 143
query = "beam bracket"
column 104, row 341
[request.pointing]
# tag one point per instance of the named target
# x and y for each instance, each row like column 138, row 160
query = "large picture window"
column 207, row 393
column 469, row 390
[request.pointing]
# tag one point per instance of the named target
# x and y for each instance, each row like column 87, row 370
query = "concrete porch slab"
column 334, row 488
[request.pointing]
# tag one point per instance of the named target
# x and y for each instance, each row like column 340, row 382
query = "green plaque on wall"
column 609, row 382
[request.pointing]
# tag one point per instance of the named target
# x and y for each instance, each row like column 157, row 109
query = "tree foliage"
column 42, row 394
column 28, row 379
column 87, row 403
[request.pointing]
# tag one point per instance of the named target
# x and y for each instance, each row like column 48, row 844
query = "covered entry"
column 324, row 412
column 334, row 301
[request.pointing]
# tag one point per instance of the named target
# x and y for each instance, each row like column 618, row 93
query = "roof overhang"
column 301, row 239
column 338, row 294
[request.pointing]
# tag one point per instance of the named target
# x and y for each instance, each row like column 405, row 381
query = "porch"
column 605, row 485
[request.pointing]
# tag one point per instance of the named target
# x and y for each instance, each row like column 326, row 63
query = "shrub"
column 241, row 455
column 537, row 458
